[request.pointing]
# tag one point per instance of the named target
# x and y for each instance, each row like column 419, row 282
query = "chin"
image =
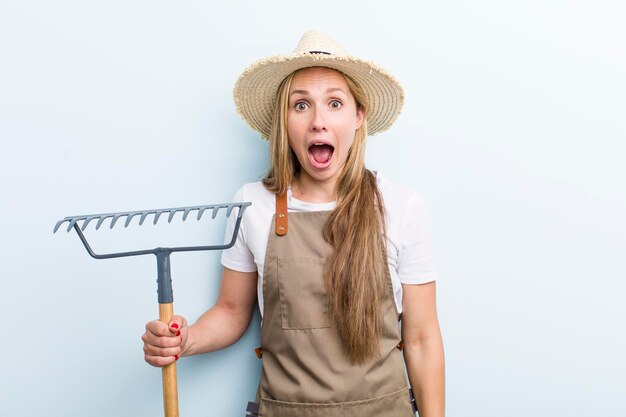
column 324, row 175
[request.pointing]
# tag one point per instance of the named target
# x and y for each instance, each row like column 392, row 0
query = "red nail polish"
column 174, row 325
column 176, row 357
column 178, row 333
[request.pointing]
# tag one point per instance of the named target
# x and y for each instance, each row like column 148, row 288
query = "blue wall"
column 513, row 130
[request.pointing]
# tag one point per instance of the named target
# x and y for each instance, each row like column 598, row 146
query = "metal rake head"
column 80, row 223
column 143, row 214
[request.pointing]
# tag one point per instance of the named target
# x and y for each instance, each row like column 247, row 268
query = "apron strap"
column 252, row 410
column 282, row 222
column 413, row 403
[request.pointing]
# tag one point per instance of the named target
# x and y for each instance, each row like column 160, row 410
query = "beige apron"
column 305, row 370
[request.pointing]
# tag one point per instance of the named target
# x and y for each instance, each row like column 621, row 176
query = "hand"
column 163, row 343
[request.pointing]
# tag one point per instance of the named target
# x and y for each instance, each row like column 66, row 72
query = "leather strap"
column 413, row 403
column 282, row 223
column 259, row 352
column 252, row 410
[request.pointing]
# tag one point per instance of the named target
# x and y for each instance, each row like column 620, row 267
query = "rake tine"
column 73, row 222
column 59, row 223
column 201, row 212
column 130, row 217
column 186, row 213
column 242, row 208
column 115, row 219
column 86, row 222
column 144, row 215
column 172, row 213
column 230, row 210
column 157, row 215
column 102, row 219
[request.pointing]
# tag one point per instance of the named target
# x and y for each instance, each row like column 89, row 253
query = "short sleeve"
column 239, row 257
column 416, row 263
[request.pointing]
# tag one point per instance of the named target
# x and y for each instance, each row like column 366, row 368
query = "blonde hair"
column 356, row 274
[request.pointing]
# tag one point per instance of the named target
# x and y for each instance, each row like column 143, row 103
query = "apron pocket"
column 303, row 296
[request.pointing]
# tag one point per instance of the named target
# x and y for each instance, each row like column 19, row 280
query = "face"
column 322, row 117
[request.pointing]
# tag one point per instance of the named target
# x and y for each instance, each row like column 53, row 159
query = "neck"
column 310, row 190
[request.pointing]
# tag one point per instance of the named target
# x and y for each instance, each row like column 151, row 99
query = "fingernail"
column 178, row 333
column 176, row 357
column 174, row 325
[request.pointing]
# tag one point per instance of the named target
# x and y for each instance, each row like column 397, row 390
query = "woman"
column 332, row 251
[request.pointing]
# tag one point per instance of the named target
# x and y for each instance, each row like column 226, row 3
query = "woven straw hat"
column 255, row 90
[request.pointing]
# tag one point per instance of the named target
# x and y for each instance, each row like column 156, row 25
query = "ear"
column 360, row 117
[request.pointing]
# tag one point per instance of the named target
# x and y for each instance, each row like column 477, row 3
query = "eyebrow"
column 329, row 90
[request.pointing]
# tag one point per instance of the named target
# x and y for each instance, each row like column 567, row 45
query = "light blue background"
column 513, row 130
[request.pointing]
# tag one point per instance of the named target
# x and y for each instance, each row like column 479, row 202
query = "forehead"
column 320, row 77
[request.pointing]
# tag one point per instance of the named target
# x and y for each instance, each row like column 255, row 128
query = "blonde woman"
column 334, row 254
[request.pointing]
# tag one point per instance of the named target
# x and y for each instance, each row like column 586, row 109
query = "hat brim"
column 255, row 90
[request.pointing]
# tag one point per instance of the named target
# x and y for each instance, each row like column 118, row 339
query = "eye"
column 336, row 104
column 300, row 106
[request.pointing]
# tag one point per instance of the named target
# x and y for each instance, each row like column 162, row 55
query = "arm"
column 219, row 327
column 423, row 348
column 228, row 319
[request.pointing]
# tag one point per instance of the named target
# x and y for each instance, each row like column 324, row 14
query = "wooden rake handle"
column 170, row 388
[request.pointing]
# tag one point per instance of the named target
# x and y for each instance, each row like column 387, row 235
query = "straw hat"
column 255, row 90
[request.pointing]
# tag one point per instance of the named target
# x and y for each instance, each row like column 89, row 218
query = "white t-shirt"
column 409, row 248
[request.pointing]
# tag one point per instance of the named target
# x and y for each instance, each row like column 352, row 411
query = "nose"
column 318, row 123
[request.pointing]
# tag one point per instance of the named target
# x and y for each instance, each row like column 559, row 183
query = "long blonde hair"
column 356, row 274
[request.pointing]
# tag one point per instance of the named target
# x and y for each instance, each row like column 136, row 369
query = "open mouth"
column 321, row 154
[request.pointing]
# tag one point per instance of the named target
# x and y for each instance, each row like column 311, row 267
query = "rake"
column 164, row 279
